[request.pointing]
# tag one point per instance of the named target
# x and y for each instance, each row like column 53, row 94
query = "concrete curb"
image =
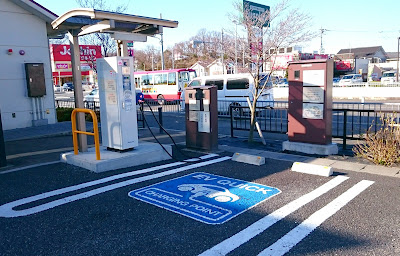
column 336, row 164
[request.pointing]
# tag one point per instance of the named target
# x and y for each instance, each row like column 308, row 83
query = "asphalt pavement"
column 51, row 208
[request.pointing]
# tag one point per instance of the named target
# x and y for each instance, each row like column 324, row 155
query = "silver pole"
column 78, row 92
column 222, row 51
column 162, row 51
column 236, row 47
column 173, row 58
column 398, row 58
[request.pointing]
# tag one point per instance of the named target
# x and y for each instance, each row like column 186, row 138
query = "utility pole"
column 236, row 56
column 398, row 59
column 162, row 47
column 173, row 58
column 322, row 50
column 222, row 51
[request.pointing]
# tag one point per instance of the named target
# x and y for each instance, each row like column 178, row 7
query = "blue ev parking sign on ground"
column 205, row 197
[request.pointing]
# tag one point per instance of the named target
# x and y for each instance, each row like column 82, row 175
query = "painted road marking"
column 41, row 152
column 297, row 234
column 149, row 138
column 6, row 210
column 261, row 225
column 28, row 167
column 57, row 150
column 205, row 197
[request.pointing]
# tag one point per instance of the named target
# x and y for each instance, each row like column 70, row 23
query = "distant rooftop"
column 392, row 55
column 363, row 52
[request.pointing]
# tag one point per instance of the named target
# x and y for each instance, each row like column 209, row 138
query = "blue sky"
column 350, row 23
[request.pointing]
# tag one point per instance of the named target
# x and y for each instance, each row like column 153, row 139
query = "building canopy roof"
column 85, row 21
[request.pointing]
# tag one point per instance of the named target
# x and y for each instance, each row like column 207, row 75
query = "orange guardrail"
column 95, row 132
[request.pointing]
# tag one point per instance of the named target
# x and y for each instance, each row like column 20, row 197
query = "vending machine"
column 117, row 103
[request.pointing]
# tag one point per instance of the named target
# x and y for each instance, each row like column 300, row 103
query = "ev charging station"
column 117, row 103
column 120, row 147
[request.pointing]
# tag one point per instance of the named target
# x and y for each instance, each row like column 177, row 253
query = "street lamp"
column 236, row 23
column 398, row 58
column 162, row 50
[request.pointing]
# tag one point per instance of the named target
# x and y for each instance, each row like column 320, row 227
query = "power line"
column 363, row 31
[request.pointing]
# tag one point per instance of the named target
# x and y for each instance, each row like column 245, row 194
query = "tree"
column 286, row 27
column 108, row 45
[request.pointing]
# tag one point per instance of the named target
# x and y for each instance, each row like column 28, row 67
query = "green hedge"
column 64, row 114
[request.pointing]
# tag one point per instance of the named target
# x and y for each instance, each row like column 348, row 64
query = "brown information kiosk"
column 310, row 107
column 201, row 117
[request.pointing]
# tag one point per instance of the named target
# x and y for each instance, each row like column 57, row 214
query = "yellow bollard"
column 95, row 132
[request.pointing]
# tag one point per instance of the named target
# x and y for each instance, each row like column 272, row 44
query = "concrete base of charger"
column 308, row 148
column 145, row 153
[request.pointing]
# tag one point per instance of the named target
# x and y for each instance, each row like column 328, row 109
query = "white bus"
column 163, row 85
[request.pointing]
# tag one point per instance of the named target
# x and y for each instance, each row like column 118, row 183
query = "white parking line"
column 28, row 167
column 297, row 234
column 261, row 225
column 6, row 210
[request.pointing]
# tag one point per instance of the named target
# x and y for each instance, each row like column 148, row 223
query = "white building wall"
column 362, row 64
column 21, row 30
column 216, row 69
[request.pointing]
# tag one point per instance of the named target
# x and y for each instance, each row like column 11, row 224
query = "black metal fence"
column 349, row 120
column 95, row 106
column 346, row 123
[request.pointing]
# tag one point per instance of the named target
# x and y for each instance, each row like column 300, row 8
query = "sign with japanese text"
column 259, row 13
column 62, row 52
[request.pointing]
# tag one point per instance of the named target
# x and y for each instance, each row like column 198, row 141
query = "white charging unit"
column 117, row 103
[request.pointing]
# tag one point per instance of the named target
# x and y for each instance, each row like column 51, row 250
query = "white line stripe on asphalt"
column 28, row 167
column 261, row 225
column 163, row 136
column 57, row 150
column 41, row 152
column 297, row 234
column 6, row 210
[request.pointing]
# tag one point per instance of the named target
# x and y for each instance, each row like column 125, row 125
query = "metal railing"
column 346, row 123
column 350, row 120
column 369, row 84
column 95, row 106
column 177, row 106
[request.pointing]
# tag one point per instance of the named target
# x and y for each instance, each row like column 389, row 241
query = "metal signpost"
column 205, row 197
column 256, row 10
column 3, row 160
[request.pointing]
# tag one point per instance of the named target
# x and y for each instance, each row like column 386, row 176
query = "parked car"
column 336, row 80
column 92, row 96
column 234, row 88
column 69, row 86
column 57, row 88
column 388, row 77
column 350, row 79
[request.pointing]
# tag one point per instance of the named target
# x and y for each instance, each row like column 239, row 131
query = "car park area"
column 209, row 206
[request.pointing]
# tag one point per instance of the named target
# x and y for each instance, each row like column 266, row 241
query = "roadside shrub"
column 383, row 146
column 89, row 118
column 64, row 114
